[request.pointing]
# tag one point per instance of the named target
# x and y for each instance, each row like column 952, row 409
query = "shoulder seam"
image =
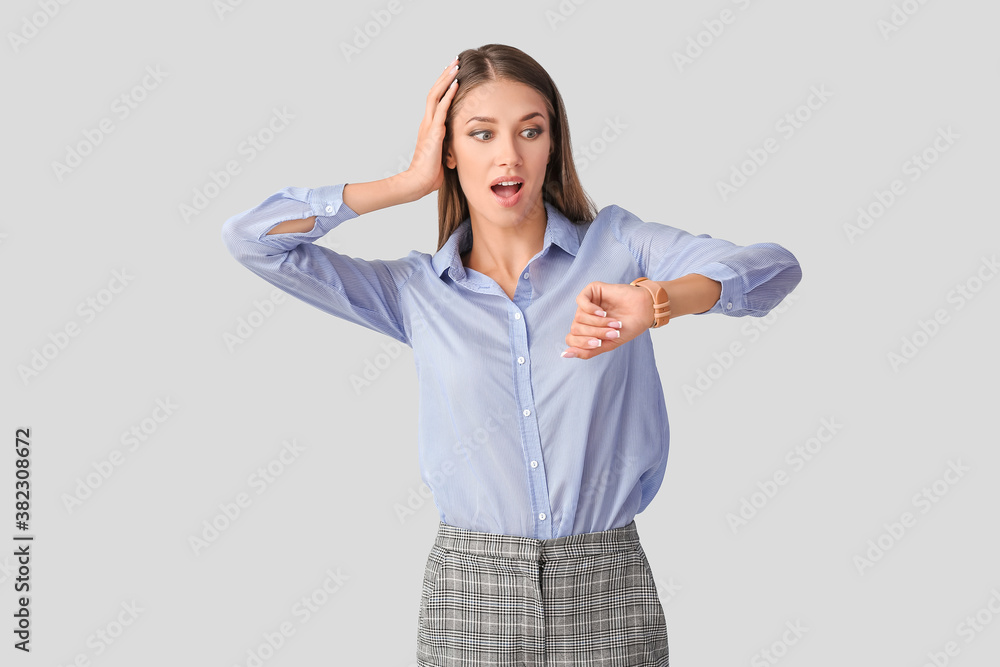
column 616, row 229
column 416, row 267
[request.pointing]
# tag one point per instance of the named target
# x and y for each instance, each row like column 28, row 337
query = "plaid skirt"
column 492, row 600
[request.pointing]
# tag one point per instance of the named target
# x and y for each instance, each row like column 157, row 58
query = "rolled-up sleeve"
column 366, row 292
column 754, row 278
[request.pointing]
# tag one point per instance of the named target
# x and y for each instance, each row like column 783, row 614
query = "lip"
column 512, row 177
column 508, row 202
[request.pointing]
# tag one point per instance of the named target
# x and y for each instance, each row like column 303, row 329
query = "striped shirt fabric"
column 512, row 437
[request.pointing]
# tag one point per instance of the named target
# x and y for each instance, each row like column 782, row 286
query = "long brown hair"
column 562, row 188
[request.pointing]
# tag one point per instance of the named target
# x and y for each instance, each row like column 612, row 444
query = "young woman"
column 542, row 428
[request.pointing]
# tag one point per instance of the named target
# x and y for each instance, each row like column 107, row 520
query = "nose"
column 507, row 152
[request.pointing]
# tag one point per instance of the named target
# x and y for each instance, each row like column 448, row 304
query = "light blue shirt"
column 512, row 437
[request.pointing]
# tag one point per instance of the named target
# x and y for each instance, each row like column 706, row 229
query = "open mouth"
column 506, row 191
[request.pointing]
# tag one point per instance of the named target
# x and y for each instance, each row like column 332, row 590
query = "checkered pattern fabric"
column 586, row 600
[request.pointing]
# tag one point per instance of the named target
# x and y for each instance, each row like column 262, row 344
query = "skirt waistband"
column 498, row 545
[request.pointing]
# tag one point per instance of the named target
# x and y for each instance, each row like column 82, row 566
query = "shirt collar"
column 558, row 230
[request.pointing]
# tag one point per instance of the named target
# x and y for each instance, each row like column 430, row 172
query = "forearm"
column 361, row 198
column 693, row 293
column 373, row 195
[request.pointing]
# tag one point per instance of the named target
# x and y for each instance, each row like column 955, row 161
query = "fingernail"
column 567, row 354
column 616, row 325
column 594, row 342
column 614, row 334
column 601, row 313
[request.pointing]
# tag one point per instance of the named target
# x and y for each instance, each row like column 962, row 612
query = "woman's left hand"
column 628, row 311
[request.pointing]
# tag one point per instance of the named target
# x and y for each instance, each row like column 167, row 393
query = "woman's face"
column 501, row 131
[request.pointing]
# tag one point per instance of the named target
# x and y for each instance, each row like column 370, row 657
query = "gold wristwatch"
column 661, row 301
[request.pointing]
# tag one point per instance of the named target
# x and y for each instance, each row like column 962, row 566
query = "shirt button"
column 527, row 412
column 517, row 316
column 329, row 209
column 729, row 306
column 520, row 360
column 525, row 274
column 534, row 464
column 542, row 516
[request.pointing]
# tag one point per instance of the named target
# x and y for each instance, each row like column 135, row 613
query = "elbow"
column 230, row 239
column 786, row 279
column 250, row 251
column 770, row 294
column 242, row 248
column 792, row 274
column 788, row 271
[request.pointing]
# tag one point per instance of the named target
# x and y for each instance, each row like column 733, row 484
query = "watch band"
column 661, row 301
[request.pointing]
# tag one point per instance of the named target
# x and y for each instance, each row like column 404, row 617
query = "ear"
column 449, row 159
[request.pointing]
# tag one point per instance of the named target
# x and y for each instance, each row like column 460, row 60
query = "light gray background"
column 726, row 595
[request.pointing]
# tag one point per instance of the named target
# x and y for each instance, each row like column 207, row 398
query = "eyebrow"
column 487, row 119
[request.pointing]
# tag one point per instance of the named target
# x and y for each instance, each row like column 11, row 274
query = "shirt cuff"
column 731, row 300
column 327, row 204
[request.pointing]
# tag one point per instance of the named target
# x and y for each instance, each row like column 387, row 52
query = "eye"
column 536, row 130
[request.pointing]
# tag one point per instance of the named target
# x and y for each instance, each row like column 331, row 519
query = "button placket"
column 530, row 439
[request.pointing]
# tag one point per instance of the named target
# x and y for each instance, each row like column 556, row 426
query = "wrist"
column 690, row 294
column 660, row 301
column 403, row 188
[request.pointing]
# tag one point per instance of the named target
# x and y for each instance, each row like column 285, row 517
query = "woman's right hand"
column 426, row 173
